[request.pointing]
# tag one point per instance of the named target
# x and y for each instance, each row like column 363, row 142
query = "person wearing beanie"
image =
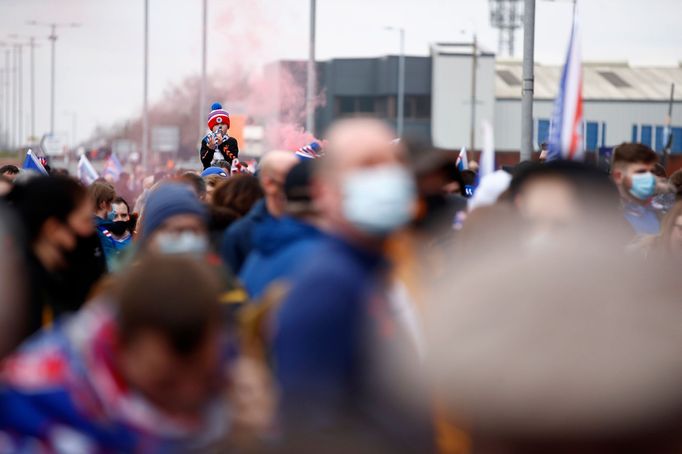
column 217, row 144
column 174, row 221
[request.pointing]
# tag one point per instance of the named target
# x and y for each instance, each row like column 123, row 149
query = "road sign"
column 53, row 145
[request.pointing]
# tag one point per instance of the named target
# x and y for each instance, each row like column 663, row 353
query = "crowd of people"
column 372, row 297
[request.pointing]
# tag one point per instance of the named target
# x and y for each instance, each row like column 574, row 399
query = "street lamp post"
column 401, row 82
column 202, row 90
column 53, row 38
column 310, row 88
column 145, row 112
column 32, row 45
column 528, row 80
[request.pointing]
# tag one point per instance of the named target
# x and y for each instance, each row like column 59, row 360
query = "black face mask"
column 118, row 228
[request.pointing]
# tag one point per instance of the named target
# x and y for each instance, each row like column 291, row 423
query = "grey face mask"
column 183, row 243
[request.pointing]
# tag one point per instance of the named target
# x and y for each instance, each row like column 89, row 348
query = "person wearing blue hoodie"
column 336, row 338
column 238, row 238
column 281, row 246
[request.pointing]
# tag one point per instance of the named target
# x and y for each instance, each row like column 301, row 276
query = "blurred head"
column 571, row 349
column 297, row 189
column 272, row 170
column 632, row 170
column 195, row 182
column 9, row 171
column 562, row 193
column 239, row 193
column 55, row 212
column 671, row 231
column 168, row 342
column 120, row 210
column 174, row 221
column 5, row 185
column 363, row 188
column 102, row 194
column 211, row 182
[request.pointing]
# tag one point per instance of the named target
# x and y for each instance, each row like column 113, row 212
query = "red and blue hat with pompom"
column 218, row 116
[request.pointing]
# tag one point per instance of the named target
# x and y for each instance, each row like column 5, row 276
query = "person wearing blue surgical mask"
column 632, row 170
column 336, row 330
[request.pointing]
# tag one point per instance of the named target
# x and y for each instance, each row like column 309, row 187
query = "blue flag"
column 32, row 163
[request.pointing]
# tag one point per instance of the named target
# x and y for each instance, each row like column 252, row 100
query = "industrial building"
column 621, row 102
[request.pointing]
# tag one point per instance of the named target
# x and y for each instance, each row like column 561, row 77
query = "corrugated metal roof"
column 614, row 81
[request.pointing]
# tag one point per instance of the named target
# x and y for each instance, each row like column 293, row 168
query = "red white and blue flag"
column 311, row 151
column 566, row 135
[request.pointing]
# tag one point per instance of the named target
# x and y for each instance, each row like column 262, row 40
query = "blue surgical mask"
column 643, row 185
column 378, row 200
column 183, row 243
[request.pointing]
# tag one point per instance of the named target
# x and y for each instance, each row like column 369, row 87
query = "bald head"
column 277, row 163
column 273, row 170
column 360, row 142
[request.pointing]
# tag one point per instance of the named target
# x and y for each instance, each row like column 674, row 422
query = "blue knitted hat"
column 166, row 201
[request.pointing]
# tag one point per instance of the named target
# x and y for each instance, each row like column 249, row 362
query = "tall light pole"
column 202, row 89
column 311, row 85
column 32, row 45
column 401, row 81
column 474, row 74
column 145, row 112
column 528, row 80
column 7, row 97
column 53, row 38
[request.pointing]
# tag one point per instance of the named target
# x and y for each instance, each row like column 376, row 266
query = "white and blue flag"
column 33, row 163
column 566, row 135
column 86, row 172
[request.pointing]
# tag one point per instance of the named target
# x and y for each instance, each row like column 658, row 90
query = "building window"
column 543, row 131
column 677, row 140
column 591, row 135
column 634, row 134
column 661, row 138
column 361, row 105
column 646, row 135
column 603, row 134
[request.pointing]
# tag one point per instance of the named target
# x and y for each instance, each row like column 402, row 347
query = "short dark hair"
column 101, row 192
column 12, row 170
column 42, row 198
column 175, row 296
column 195, row 181
column 631, row 153
column 121, row 200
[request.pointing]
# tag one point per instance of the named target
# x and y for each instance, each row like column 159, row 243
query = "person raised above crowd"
column 238, row 238
column 632, row 168
column 217, row 145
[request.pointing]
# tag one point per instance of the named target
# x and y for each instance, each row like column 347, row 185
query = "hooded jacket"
column 280, row 247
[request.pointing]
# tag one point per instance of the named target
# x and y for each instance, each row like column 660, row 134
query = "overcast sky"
column 99, row 64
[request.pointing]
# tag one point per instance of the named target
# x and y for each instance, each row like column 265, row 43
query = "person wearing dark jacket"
column 282, row 246
column 238, row 238
column 337, row 339
column 218, row 145
column 64, row 257
column 103, row 195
